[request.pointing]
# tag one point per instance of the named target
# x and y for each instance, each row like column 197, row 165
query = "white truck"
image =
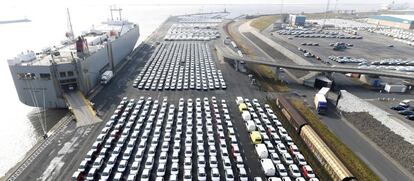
column 261, row 150
column 324, row 91
column 390, row 88
column 251, row 126
column 106, row 77
column 268, row 167
column 246, row 116
column 239, row 100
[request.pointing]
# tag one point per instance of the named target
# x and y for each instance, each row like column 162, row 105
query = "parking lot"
column 360, row 48
column 181, row 66
column 195, row 139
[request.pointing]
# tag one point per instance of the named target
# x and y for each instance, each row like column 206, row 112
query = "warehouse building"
column 297, row 20
column 396, row 21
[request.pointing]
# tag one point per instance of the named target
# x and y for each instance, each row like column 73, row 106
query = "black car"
column 406, row 112
column 398, row 108
column 410, row 117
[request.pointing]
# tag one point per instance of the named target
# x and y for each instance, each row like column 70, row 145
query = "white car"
column 294, row 171
column 145, row 174
column 215, row 174
column 187, row 175
column 175, row 168
column 300, row 160
column 281, row 148
column 161, row 170
column 122, row 165
column 202, row 175
column 187, row 163
column 287, row 158
column 282, row 170
column 229, row 175
column 243, row 174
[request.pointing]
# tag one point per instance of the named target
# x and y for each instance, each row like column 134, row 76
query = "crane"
column 326, row 14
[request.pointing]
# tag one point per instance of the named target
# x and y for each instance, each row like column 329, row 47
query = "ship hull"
column 48, row 93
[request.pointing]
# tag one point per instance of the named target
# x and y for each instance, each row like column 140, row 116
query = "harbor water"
column 20, row 125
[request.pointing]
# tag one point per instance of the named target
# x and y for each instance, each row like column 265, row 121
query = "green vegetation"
column 306, row 152
column 350, row 160
column 263, row 22
column 236, row 37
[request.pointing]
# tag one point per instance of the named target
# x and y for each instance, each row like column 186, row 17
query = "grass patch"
column 321, row 173
column 263, row 22
column 350, row 160
column 265, row 76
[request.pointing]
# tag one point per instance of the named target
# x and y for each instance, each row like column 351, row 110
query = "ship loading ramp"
column 81, row 108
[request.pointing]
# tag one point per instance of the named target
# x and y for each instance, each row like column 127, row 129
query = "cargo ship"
column 42, row 78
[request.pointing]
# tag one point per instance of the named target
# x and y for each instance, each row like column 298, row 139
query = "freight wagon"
column 322, row 152
column 325, row 156
column 292, row 115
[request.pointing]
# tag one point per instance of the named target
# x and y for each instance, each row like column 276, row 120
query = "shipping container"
column 395, row 88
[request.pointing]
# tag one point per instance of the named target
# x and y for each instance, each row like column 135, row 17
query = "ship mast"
column 70, row 34
column 114, row 8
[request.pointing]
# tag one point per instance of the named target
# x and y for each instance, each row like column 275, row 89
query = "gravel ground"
column 352, row 103
column 391, row 143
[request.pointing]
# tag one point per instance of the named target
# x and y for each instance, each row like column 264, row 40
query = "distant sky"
column 92, row 2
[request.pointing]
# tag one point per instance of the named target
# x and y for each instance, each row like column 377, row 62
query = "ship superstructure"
column 41, row 78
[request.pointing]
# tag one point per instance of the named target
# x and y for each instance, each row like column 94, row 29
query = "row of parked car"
column 405, row 108
column 180, row 66
column 400, row 35
column 307, row 53
column 280, row 158
column 192, row 32
column 394, row 61
column 387, row 67
column 149, row 140
column 309, row 44
column 200, row 19
column 346, row 59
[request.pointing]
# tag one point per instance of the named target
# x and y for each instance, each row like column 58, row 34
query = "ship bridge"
column 81, row 108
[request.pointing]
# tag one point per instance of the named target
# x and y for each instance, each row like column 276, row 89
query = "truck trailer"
column 106, row 77
column 320, row 103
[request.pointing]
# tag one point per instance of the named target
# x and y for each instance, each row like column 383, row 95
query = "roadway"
column 380, row 162
column 318, row 68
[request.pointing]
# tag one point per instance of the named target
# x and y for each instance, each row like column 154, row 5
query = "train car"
column 292, row 115
column 324, row 154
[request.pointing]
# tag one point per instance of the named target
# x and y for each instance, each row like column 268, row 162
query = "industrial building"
column 396, row 21
column 297, row 20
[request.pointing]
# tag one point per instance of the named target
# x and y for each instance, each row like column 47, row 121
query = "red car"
column 307, row 171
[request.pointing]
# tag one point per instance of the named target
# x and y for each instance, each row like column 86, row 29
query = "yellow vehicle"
column 242, row 107
column 256, row 137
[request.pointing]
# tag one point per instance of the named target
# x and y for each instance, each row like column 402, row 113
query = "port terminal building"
column 396, row 21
